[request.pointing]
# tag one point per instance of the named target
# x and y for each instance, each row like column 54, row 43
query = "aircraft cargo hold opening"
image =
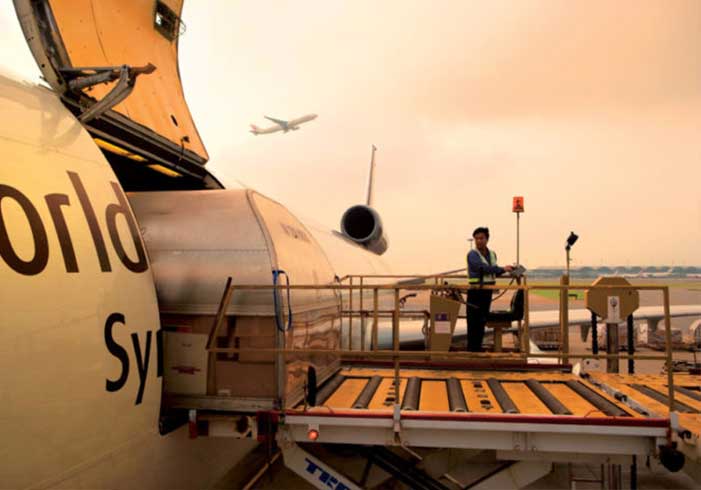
column 258, row 237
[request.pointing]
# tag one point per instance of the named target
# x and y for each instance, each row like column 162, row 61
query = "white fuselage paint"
column 71, row 266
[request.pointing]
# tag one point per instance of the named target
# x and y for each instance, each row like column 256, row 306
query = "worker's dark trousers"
column 478, row 303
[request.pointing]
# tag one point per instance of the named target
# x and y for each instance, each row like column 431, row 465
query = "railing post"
column 362, row 318
column 612, row 363
column 668, row 348
column 594, row 334
column 395, row 338
column 630, row 327
column 221, row 313
column 340, row 316
column 350, row 315
column 564, row 318
column 374, row 318
column 525, row 337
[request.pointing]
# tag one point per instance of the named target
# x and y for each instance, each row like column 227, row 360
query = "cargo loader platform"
column 527, row 420
column 527, row 408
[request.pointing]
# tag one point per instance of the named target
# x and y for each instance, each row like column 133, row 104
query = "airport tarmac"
column 650, row 474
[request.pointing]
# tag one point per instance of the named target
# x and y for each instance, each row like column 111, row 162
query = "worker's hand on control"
column 509, row 268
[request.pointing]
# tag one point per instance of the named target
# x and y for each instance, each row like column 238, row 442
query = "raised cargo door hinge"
column 80, row 78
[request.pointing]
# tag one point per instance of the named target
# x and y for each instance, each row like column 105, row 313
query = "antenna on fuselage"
column 371, row 177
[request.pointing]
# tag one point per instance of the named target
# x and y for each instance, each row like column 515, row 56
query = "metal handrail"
column 396, row 354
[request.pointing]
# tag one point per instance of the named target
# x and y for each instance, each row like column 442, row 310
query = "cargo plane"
column 281, row 125
column 115, row 244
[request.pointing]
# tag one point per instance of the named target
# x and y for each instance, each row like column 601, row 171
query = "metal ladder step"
column 401, row 469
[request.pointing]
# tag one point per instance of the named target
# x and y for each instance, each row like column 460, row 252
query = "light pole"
column 564, row 302
column 571, row 240
column 518, row 208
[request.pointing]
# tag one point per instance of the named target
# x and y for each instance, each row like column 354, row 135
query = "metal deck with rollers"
column 527, row 393
column 523, row 416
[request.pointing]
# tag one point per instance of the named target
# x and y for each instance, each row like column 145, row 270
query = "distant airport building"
column 625, row 271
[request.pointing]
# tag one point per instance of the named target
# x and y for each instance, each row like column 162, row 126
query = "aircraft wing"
column 411, row 333
column 276, row 121
column 551, row 318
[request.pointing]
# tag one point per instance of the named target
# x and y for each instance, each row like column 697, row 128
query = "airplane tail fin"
column 255, row 129
column 371, row 177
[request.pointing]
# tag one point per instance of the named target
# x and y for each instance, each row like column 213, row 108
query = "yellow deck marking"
column 658, row 382
column 526, row 401
column 383, row 391
column 650, row 403
column 575, row 403
column 680, row 397
column 608, row 397
column 473, row 399
column 346, row 394
column 434, row 396
column 402, row 389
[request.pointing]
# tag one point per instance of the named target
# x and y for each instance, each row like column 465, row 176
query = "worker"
column 482, row 270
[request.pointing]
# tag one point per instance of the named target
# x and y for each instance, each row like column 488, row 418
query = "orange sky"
column 590, row 109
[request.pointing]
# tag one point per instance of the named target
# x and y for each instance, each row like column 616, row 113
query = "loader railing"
column 433, row 284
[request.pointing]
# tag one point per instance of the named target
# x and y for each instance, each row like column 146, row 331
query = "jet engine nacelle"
column 363, row 225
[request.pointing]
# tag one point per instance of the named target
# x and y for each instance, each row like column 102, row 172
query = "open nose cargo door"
column 115, row 65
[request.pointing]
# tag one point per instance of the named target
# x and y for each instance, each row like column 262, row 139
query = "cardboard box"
column 656, row 339
column 185, row 362
column 545, row 335
column 255, row 326
column 266, row 342
column 244, row 379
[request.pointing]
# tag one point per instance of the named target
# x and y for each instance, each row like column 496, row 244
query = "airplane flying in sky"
column 281, row 125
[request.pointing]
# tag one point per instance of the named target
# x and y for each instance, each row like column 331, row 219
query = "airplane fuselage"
column 79, row 329
column 281, row 125
column 300, row 120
